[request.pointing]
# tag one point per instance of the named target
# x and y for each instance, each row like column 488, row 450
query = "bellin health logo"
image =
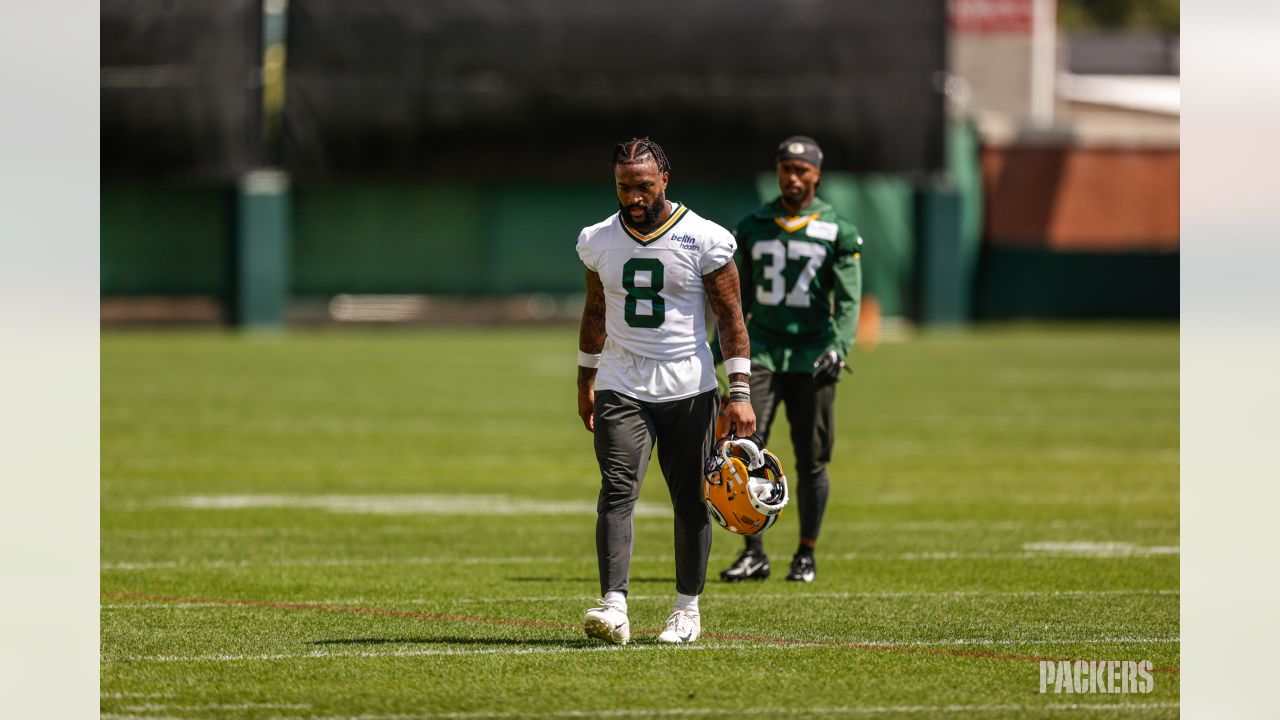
column 1096, row 676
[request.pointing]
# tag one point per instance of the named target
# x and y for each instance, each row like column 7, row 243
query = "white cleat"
column 608, row 623
column 684, row 626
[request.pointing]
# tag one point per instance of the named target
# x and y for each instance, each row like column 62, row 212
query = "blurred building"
column 1080, row 161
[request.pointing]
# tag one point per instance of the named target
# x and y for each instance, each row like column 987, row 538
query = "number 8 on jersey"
column 648, row 290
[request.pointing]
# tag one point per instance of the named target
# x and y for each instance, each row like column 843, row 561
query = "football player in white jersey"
column 646, row 374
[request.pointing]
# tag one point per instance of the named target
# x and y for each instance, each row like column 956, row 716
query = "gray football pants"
column 810, row 408
column 626, row 430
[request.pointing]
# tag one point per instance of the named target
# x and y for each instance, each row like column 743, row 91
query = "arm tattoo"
column 726, row 302
column 591, row 333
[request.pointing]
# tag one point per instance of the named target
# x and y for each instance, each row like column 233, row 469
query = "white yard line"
column 850, row 710
column 1169, row 498
column 177, row 533
column 417, row 504
column 847, row 710
column 1022, row 642
column 1031, row 551
column 1003, row 525
column 321, row 654
column 872, row 525
column 158, row 707
column 187, row 606
column 1100, row 549
column 735, row 647
column 715, row 597
column 341, row 562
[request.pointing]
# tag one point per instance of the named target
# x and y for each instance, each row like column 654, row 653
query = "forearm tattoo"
column 591, row 333
column 726, row 303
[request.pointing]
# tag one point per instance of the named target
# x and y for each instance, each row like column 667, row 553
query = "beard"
column 651, row 212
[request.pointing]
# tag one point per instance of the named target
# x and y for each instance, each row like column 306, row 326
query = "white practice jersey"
column 655, row 303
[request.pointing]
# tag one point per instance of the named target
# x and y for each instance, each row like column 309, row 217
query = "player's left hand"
column 741, row 419
column 826, row 369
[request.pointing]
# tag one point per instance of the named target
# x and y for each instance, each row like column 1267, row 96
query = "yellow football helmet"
column 743, row 487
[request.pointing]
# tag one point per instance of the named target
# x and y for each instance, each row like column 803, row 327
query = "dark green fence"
column 163, row 239
column 1043, row 284
column 471, row 239
column 380, row 237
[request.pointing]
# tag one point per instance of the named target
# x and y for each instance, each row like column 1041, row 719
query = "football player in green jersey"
column 801, row 278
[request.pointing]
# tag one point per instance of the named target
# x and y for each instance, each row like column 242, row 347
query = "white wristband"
column 587, row 360
column 737, row 366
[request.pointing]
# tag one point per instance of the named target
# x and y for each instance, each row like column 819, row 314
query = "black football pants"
column 810, row 407
column 626, row 430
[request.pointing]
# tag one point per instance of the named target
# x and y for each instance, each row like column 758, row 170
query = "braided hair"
column 635, row 150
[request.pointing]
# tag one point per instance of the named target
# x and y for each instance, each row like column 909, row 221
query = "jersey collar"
column 774, row 211
column 646, row 238
column 794, row 223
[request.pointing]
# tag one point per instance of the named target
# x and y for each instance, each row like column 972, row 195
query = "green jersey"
column 801, row 282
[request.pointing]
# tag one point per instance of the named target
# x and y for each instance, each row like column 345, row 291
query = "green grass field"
column 399, row 524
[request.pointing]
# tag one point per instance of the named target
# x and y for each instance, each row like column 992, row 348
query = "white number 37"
column 775, row 255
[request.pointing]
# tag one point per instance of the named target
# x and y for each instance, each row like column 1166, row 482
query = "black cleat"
column 803, row 568
column 748, row 566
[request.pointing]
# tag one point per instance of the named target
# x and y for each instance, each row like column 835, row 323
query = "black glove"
column 826, row 369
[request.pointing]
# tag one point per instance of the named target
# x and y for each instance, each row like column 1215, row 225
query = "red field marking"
column 477, row 619
column 905, row 649
column 342, row 609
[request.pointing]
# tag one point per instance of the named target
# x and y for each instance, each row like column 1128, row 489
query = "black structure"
column 523, row 89
column 180, row 88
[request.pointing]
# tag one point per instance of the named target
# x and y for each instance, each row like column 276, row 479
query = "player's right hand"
column 586, row 408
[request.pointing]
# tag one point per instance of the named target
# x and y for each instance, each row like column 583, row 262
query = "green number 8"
column 650, row 293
